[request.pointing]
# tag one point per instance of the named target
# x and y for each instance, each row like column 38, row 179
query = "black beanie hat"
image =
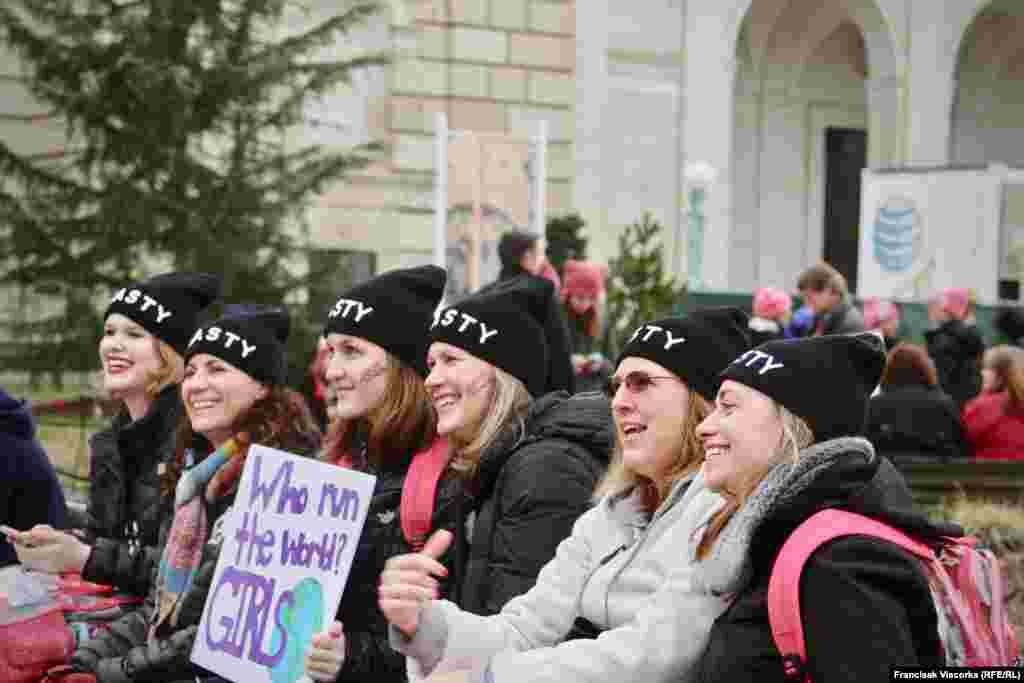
column 827, row 380
column 251, row 338
column 393, row 310
column 167, row 305
column 503, row 326
column 694, row 347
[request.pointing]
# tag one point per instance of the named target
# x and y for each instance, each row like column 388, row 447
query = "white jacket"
column 631, row 578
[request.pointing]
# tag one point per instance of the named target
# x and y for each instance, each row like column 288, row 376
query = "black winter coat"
column 126, row 511
column 956, row 348
column 30, row 493
column 368, row 656
column 534, row 481
column 865, row 603
column 125, row 652
column 915, row 423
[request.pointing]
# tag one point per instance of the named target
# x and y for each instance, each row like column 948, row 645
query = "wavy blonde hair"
column 796, row 436
column 620, row 478
column 509, row 402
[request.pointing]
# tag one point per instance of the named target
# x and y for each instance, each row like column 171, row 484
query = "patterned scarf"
column 214, row 476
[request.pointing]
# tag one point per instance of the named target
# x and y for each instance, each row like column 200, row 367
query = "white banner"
column 928, row 230
column 289, row 541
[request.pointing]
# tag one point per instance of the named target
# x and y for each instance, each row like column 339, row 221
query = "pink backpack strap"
column 784, row 584
column 416, row 510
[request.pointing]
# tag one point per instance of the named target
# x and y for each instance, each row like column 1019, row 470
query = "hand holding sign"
column 326, row 655
column 408, row 582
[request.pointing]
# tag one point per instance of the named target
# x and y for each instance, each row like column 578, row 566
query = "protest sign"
column 289, row 542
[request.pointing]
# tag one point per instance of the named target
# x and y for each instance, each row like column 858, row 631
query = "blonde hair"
column 509, row 402
column 796, row 436
column 620, row 478
column 171, row 370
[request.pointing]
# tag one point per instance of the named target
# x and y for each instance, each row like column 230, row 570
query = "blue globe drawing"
column 301, row 621
column 897, row 238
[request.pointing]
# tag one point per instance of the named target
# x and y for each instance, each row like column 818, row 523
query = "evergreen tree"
column 565, row 240
column 638, row 290
column 182, row 148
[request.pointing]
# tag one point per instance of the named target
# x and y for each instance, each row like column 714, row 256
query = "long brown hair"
column 909, row 365
column 404, row 422
column 796, row 436
column 621, row 478
column 281, row 419
column 1007, row 362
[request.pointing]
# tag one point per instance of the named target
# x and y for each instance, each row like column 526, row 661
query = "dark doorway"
column 846, row 154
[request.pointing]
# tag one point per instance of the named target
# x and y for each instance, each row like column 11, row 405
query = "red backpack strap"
column 784, row 584
column 416, row 510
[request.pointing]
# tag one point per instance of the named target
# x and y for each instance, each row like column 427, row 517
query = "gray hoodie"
column 629, row 576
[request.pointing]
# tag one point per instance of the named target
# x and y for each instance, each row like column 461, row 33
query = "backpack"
column 966, row 582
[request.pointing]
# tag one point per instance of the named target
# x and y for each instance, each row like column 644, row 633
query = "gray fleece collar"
column 727, row 569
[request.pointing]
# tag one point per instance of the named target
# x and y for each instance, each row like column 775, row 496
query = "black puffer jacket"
column 865, row 604
column 368, row 656
column 915, row 423
column 125, row 652
column 956, row 348
column 534, row 480
column 126, row 510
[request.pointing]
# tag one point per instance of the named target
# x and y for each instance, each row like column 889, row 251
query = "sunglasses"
column 636, row 382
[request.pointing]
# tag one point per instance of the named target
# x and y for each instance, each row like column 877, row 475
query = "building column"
column 707, row 130
column 887, row 125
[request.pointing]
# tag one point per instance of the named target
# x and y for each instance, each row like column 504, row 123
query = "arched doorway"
column 988, row 116
column 814, row 90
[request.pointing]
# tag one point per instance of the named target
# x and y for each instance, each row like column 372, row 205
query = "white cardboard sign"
column 289, row 542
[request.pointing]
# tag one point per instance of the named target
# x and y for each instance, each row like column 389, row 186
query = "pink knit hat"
column 877, row 311
column 955, row 301
column 771, row 303
column 583, row 278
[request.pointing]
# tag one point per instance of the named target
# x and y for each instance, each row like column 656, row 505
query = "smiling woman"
column 620, row 573
column 145, row 332
column 234, row 394
column 384, row 424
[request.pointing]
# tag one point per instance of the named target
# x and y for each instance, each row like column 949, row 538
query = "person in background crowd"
column 1010, row 323
column 385, row 426
column 231, row 399
column 581, row 297
column 523, row 257
column 520, row 252
column 530, row 459
column 801, row 324
column 824, row 289
column 955, row 346
column 781, row 445
column 771, row 313
column 995, row 419
column 549, row 273
column 146, row 330
column 619, row 575
column 883, row 317
column 314, row 387
column 912, row 419
column 31, row 494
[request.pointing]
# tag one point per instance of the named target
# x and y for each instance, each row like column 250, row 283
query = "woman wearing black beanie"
column 234, row 394
column 384, row 424
column 145, row 331
column 782, row 444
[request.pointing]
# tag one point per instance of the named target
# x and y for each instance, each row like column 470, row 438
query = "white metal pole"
column 440, row 187
column 540, row 178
